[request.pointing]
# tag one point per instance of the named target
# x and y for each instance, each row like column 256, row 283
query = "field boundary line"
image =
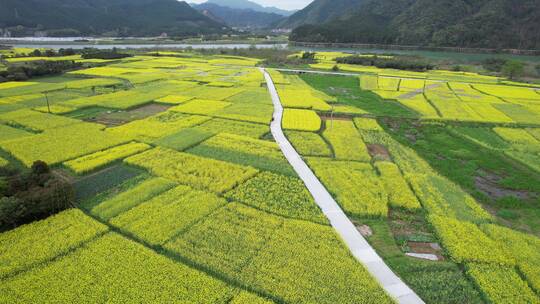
column 356, row 243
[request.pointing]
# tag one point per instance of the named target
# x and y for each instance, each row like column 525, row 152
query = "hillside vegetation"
column 479, row 24
column 103, row 17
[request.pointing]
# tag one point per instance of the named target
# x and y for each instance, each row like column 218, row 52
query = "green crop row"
column 300, row 260
column 228, row 239
column 346, row 141
column 501, row 284
column 60, row 144
column 523, row 247
column 219, row 125
column 399, row 192
column 8, row 133
column 342, row 178
column 244, row 150
column 131, row 198
column 465, row 242
column 24, row 246
column 113, row 269
column 37, row 120
column 156, row 127
column 100, row 159
column 301, row 120
column 198, row 172
column 278, row 194
column 162, row 217
column 309, row 144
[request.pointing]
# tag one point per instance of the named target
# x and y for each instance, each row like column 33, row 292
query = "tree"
column 40, row 167
column 308, row 55
column 513, row 69
column 36, row 53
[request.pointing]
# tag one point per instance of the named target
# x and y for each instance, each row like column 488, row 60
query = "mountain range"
column 249, row 5
column 103, row 17
column 456, row 23
column 239, row 17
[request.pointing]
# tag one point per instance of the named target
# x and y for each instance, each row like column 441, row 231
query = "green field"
column 183, row 196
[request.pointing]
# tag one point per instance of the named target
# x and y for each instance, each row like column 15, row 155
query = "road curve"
column 356, row 243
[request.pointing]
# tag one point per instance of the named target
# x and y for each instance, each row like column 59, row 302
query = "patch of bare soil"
column 117, row 118
column 423, row 247
column 364, row 230
column 488, row 183
column 150, row 109
column 378, row 151
column 426, row 248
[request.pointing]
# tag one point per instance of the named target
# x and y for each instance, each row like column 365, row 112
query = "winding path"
column 358, row 246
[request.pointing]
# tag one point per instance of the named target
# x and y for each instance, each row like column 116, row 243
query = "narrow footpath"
column 356, row 243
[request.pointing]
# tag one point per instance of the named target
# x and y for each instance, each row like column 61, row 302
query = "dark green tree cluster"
column 21, row 72
column 26, row 197
column 396, row 62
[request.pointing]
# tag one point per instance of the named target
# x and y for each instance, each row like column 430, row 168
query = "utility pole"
column 332, row 118
column 47, row 100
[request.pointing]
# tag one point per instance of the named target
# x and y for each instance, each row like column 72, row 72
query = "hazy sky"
column 284, row 4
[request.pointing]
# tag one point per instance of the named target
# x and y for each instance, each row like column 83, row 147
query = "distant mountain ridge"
column 455, row 23
column 103, row 17
column 246, row 4
column 240, row 18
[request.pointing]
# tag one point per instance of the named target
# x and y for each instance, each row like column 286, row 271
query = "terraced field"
column 183, row 195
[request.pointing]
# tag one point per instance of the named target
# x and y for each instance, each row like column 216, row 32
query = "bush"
column 494, row 64
column 513, row 69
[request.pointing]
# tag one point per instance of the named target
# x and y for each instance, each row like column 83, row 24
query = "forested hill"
column 103, row 17
column 319, row 12
column 460, row 23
